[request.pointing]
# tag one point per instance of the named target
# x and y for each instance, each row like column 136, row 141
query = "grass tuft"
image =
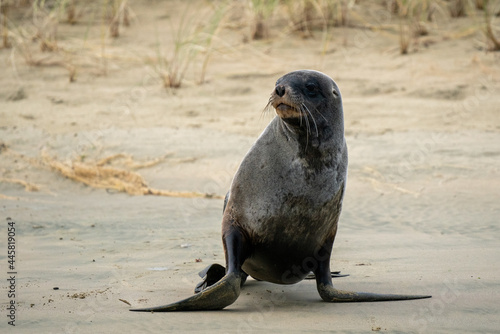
column 491, row 12
column 262, row 11
column 193, row 37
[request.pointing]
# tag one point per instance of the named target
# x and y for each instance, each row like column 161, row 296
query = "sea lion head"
column 307, row 99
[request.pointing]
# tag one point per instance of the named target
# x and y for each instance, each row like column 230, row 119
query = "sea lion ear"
column 335, row 93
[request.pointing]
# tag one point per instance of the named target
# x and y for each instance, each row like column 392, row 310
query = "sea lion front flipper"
column 215, row 297
column 329, row 294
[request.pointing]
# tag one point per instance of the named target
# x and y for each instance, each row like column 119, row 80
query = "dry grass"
column 305, row 16
column 458, row 8
column 34, row 32
column 411, row 15
column 36, row 40
column 4, row 10
column 491, row 10
column 301, row 15
column 120, row 15
column 261, row 12
column 195, row 30
column 128, row 161
column 100, row 175
column 171, row 65
column 191, row 42
column 27, row 186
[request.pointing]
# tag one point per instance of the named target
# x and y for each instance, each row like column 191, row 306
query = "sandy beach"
column 421, row 208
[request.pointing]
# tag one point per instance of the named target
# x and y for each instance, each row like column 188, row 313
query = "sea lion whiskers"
column 268, row 107
column 304, row 107
column 308, row 127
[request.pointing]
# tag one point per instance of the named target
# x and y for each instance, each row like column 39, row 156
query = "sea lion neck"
column 316, row 149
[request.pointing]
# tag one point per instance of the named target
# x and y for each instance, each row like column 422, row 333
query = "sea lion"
column 281, row 212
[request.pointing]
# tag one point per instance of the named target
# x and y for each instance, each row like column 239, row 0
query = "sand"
column 420, row 213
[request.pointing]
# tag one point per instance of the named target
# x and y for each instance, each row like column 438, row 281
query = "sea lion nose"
column 280, row 90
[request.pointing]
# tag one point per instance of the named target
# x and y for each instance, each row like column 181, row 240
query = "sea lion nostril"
column 280, row 90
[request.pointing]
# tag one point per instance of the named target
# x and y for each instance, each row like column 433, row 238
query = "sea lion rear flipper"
column 329, row 294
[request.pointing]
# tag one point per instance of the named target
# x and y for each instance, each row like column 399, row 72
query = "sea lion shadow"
column 265, row 296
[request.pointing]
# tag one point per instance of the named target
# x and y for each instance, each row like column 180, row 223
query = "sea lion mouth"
column 285, row 108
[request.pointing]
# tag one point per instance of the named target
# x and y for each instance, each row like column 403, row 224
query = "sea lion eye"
column 311, row 87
